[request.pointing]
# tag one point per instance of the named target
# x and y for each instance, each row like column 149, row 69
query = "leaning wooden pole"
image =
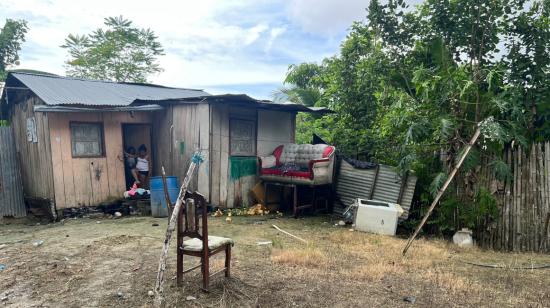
column 169, row 204
column 159, row 290
column 443, row 188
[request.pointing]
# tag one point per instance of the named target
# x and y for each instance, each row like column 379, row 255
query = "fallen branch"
column 289, row 234
column 159, row 290
column 443, row 188
column 534, row 266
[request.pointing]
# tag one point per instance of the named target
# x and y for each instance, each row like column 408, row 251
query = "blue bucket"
column 158, row 200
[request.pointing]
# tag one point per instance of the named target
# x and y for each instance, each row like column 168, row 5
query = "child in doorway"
column 142, row 171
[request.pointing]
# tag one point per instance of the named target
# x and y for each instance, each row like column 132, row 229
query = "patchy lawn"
column 86, row 263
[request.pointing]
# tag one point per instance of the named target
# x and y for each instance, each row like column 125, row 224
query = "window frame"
column 254, row 137
column 101, row 137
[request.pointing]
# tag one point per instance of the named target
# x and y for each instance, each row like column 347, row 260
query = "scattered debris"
column 260, row 243
column 3, row 246
column 119, row 294
column 4, row 298
column 409, row 299
column 258, row 209
column 151, row 293
column 38, row 243
column 190, row 298
column 228, row 219
column 351, row 230
column 2, row 267
column 341, row 223
column 289, row 234
column 218, row 213
column 66, row 259
column 118, row 214
column 155, row 224
column 98, row 222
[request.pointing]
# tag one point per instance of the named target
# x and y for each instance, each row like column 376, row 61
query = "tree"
column 409, row 85
column 120, row 53
column 12, row 35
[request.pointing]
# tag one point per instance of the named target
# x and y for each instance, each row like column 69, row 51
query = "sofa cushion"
column 277, row 171
column 277, row 153
column 302, row 154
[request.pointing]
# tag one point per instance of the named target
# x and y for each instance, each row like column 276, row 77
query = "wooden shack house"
column 70, row 135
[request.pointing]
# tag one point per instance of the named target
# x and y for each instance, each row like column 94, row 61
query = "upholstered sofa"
column 305, row 164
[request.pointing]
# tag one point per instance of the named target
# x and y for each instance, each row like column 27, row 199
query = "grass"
column 85, row 263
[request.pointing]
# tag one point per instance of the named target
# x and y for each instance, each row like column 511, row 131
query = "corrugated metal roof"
column 355, row 183
column 58, row 108
column 245, row 101
column 56, row 90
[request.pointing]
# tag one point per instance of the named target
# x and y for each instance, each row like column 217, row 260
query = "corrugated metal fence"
column 11, row 187
column 381, row 183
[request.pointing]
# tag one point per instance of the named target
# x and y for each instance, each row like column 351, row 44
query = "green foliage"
column 453, row 214
column 409, row 86
column 12, row 35
column 120, row 53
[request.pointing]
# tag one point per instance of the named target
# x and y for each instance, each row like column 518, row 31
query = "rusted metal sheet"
column 11, row 187
column 355, row 183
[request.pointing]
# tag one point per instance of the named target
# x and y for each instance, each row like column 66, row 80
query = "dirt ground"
column 104, row 263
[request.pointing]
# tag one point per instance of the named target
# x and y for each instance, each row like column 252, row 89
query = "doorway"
column 133, row 136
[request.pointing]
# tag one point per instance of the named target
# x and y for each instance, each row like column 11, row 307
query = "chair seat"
column 214, row 242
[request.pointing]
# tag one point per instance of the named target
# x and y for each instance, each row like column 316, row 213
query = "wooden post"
column 166, row 194
column 159, row 290
column 442, row 189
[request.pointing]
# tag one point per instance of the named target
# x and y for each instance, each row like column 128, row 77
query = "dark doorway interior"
column 134, row 135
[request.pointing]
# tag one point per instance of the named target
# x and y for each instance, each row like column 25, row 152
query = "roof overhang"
column 60, row 108
column 243, row 100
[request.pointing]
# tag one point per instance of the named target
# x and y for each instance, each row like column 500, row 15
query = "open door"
column 133, row 136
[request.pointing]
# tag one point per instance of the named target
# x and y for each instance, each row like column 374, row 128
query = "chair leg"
column 179, row 270
column 205, row 273
column 228, row 261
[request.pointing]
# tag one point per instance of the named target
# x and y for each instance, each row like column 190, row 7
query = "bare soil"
column 105, row 263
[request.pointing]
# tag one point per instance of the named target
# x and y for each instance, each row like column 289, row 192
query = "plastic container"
column 376, row 216
column 158, row 200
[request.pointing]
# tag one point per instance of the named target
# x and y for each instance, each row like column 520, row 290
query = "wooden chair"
column 192, row 215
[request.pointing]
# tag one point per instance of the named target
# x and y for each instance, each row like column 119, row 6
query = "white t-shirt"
column 142, row 164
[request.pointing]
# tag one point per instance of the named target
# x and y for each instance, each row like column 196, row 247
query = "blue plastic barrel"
column 158, row 201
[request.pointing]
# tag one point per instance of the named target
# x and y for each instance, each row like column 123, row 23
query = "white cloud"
column 327, row 17
column 207, row 43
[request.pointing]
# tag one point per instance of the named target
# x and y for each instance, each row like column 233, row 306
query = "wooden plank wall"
column 178, row 133
column 273, row 128
column 34, row 158
column 89, row 181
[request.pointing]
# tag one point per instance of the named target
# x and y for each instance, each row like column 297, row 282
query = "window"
column 87, row 139
column 242, row 135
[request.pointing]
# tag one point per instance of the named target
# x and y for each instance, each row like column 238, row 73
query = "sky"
column 221, row 46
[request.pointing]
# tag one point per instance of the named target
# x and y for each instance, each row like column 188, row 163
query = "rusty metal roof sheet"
column 57, row 90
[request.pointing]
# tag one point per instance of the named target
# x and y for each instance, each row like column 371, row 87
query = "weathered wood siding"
column 89, row 181
column 272, row 129
column 179, row 132
column 34, row 158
